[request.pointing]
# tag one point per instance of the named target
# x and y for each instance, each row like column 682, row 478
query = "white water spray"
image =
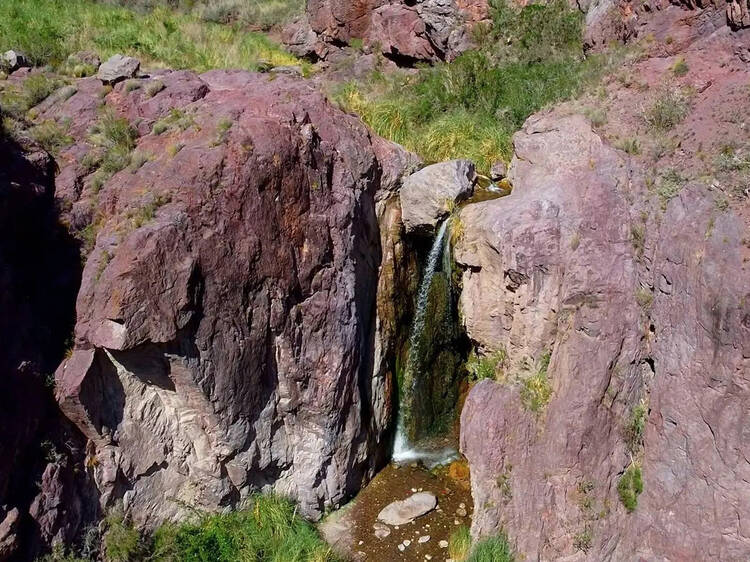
column 403, row 451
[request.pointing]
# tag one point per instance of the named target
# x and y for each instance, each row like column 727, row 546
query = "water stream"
column 404, row 451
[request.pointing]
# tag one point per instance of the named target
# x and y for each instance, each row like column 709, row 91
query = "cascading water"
column 403, row 450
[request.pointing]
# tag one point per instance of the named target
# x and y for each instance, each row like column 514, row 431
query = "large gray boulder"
column 428, row 195
column 118, row 67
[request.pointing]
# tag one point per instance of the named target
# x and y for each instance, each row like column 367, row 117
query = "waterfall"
column 403, row 451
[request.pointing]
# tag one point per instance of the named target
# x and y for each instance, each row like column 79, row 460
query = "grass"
column 630, row 145
column 176, row 120
column 459, row 544
column 669, row 186
column 122, row 542
column 471, row 107
column 680, row 67
column 630, row 486
column 270, row 531
column 114, row 140
column 668, row 110
column 47, row 31
column 51, row 135
column 17, row 100
column 482, row 367
column 153, row 88
column 536, row 390
column 635, row 427
column 493, row 549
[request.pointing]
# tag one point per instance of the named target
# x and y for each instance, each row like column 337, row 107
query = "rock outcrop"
column 430, row 194
column 406, row 31
column 606, row 318
column 227, row 339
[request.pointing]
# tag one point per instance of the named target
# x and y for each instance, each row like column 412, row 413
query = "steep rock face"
column 407, row 31
column 227, row 337
column 560, row 267
column 39, row 272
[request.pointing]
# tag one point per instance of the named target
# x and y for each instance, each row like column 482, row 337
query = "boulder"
column 401, row 33
column 498, row 171
column 13, row 60
column 230, row 335
column 554, row 278
column 117, row 68
column 405, row 511
column 428, row 195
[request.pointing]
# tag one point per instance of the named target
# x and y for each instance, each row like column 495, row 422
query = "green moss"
column 630, row 487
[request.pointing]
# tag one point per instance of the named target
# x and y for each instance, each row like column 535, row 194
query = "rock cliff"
column 606, row 320
column 227, row 338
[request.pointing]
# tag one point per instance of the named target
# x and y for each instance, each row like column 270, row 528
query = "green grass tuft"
column 630, row 487
column 482, row 367
column 459, row 543
column 493, row 549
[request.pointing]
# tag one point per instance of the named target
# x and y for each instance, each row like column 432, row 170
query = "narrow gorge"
column 284, row 287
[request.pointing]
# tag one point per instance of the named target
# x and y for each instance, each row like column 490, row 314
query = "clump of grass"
column 132, row 85
column 669, row 186
column 482, row 367
column 147, row 212
column 630, row 145
column 51, row 135
column 644, row 297
column 174, row 148
column 271, row 530
column 47, row 31
column 222, row 131
column 630, row 486
column 153, row 88
column 122, row 542
column 669, row 109
column 597, row 116
column 16, row 101
column 459, row 544
column 493, row 549
column 635, row 426
column 680, row 67
column 582, row 541
column 265, row 15
column 536, row 390
column 638, row 238
column 114, row 140
column 177, row 119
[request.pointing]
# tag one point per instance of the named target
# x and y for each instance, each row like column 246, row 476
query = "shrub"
column 644, row 297
column 670, row 185
column 153, row 88
column 122, row 541
column 271, row 531
column 582, row 541
column 114, row 139
column 459, row 544
column 132, row 85
column 680, row 67
column 51, row 135
column 635, row 427
column 536, row 390
column 669, row 109
column 630, row 145
column 482, row 367
column 18, row 100
column 493, row 549
column 630, row 487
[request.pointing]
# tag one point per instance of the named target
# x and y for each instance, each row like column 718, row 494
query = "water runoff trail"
column 404, row 451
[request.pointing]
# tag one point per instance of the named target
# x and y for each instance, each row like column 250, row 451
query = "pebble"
column 401, row 547
column 423, row 539
column 361, row 542
column 456, row 522
column 462, row 505
column 443, row 544
column 413, row 490
column 406, row 542
column 427, row 557
column 461, row 512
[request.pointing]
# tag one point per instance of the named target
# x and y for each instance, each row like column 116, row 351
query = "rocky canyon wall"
column 227, row 337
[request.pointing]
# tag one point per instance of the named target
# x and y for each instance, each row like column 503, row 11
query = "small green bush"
column 536, row 390
column 52, row 136
column 122, row 541
column 482, row 367
column 153, row 88
column 16, row 101
column 582, row 541
column 668, row 110
column 114, row 140
column 630, row 487
column 680, row 67
column 630, row 145
column 493, row 549
column 669, row 186
column 636, row 426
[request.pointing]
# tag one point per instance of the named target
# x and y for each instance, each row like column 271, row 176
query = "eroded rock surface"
column 631, row 313
column 227, row 338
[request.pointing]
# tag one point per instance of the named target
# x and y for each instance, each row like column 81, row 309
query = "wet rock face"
column 407, row 31
column 555, row 269
column 227, row 338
